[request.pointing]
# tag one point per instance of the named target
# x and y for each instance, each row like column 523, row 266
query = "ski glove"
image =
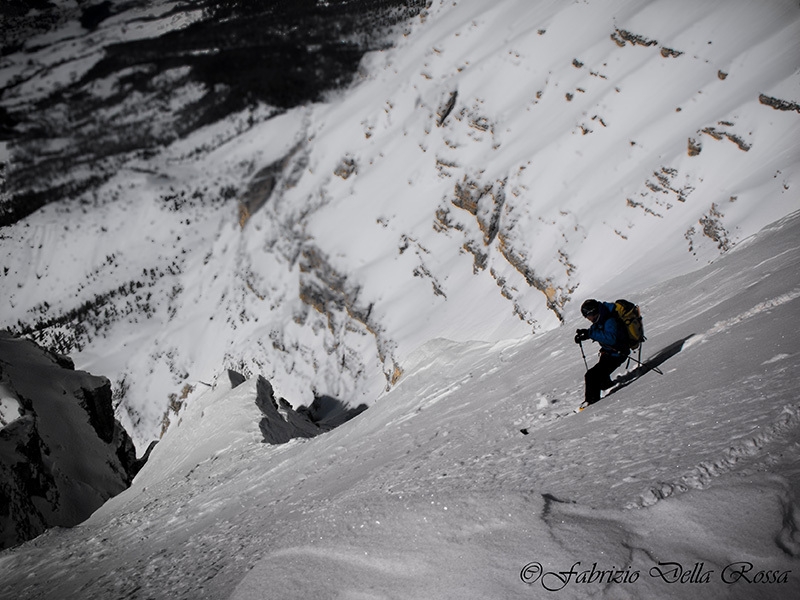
column 580, row 335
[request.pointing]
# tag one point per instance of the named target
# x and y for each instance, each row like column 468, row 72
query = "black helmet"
column 590, row 308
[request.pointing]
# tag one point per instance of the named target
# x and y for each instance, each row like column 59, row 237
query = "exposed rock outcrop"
column 62, row 452
column 231, row 402
column 280, row 423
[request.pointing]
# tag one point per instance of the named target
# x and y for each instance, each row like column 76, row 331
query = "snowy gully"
column 667, row 572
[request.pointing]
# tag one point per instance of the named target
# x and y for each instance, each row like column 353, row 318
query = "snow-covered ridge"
column 497, row 163
column 62, row 452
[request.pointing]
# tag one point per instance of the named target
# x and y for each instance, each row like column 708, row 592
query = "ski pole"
column 583, row 354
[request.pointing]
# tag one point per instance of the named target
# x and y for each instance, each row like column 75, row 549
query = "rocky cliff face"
column 62, row 452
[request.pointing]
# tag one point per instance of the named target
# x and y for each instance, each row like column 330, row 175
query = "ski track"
column 727, row 324
column 752, row 432
column 703, row 474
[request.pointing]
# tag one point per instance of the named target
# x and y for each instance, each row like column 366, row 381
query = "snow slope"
column 497, row 164
column 685, row 483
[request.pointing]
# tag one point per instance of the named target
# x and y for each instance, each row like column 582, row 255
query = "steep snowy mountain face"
column 167, row 217
column 680, row 482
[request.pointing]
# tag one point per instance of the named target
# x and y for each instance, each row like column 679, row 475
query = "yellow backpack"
column 631, row 317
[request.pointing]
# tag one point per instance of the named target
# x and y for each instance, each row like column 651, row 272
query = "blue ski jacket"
column 605, row 331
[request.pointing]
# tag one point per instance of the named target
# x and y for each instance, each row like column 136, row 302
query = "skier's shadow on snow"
column 651, row 364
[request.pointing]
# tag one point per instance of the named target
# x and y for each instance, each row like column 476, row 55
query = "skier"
column 614, row 346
